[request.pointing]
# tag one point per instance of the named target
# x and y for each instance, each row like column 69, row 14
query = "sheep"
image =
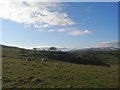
column 1, row 78
column 44, row 59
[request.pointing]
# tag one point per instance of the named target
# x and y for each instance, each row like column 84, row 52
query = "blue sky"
column 73, row 25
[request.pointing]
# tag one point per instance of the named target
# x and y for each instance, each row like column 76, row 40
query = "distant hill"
column 95, row 49
column 66, row 49
column 11, row 47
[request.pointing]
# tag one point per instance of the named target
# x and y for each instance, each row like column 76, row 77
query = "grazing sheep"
column 44, row 59
column 0, row 78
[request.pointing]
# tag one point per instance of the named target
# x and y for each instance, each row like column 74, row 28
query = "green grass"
column 17, row 72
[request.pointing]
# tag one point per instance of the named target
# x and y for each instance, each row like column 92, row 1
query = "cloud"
column 63, row 0
column 61, row 30
column 51, row 30
column 78, row 32
column 37, row 14
column 40, row 26
column 58, row 30
column 30, row 0
column 109, row 44
column 37, row 26
column 72, row 32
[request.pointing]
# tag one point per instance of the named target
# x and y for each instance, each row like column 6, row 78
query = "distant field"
column 17, row 72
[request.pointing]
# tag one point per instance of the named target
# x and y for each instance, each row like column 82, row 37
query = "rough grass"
column 18, row 72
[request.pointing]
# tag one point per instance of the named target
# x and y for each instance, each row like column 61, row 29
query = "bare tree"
column 35, row 49
column 53, row 49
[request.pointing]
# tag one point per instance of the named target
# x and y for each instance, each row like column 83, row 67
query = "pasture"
column 20, row 73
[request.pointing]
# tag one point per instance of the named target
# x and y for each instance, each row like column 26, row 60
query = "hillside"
column 95, row 49
column 54, row 73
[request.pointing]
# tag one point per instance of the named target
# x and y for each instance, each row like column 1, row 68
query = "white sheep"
column 44, row 59
column 1, row 78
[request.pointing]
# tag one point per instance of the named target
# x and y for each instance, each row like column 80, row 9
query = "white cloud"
column 51, row 30
column 61, row 30
column 40, row 26
column 38, row 14
column 78, row 32
column 30, row 0
column 46, row 25
column 37, row 26
column 63, row 0
column 58, row 30
column 109, row 44
column 70, row 31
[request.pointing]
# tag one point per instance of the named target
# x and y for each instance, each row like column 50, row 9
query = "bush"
column 88, row 58
column 92, row 59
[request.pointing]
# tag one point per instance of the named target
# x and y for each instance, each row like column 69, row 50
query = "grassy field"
column 17, row 72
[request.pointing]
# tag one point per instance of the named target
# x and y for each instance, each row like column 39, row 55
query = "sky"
column 60, row 24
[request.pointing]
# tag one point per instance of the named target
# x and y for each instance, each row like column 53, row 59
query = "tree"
column 35, row 49
column 53, row 49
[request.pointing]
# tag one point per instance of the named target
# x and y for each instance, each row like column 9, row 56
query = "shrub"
column 92, row 59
